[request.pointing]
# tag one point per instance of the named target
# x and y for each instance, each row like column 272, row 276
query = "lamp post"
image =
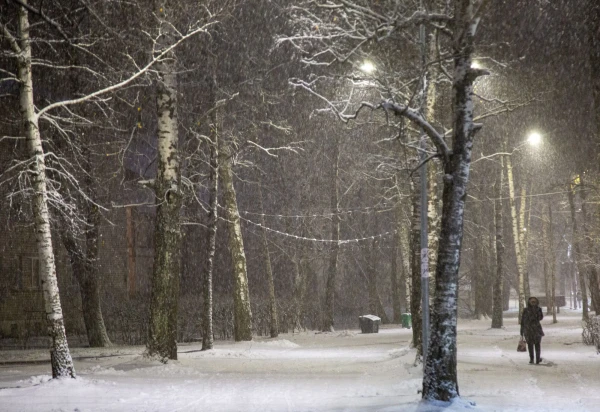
column 424, row 229
column 368, row 67
column 424, row 252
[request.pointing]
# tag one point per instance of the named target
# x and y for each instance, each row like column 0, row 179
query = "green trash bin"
column 406, row 320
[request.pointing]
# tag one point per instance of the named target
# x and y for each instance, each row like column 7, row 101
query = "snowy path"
column 313, row 372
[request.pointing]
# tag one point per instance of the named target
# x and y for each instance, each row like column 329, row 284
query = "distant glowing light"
column 475, row 65
column 534, row 138
column 367, row 67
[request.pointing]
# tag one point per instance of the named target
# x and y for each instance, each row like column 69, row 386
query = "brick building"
column 125, row 257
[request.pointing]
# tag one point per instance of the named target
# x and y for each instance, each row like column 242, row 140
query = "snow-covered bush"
column 591, row 332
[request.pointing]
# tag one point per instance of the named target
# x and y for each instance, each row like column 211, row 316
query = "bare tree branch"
column 125, row 82
column 47, row 19
column 11, row 39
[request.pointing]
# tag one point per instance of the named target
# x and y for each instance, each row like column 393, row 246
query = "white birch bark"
column 162, row 339
column 60, row 357
column 405, row 280
column 394, row 278
column 515, row 229
column 523, row 240
column 433, row 168
column 241, row 296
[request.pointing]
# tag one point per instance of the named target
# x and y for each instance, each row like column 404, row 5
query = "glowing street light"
column 534, row 138
column 367, row 67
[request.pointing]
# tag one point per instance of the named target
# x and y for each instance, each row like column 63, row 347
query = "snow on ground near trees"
column 341, row 371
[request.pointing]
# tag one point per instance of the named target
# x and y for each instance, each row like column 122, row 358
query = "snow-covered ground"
column 342, row 371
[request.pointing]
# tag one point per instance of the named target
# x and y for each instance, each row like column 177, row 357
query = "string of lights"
column 339, row 242
column 364, row 210
column 309, row 239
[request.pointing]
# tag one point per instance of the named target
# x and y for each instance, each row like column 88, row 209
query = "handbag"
column 521, row 347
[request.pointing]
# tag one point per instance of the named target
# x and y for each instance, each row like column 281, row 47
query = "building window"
column 31, row 270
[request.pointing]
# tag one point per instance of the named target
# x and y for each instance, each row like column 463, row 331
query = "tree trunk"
column 60, row 356
column 546, row 241
column 241, row 296
column 85, row 271
column 577, row 255
column 273, row 324
column 506, row 293
column 552, row 264
column 497, row 315
column 591, row 270
column 490, row 256
column 415, row 268
column 131, row 255
column 372, row 284
column 375, row 304
column 523, row 241
column 405, row 281
column 213, row 218
column 401, row 244
column 162, row 332
column 517, row 243
column 300, row 280
column 481, row 283
column 477, row 279
column 573, row 280
column 395, row 281
column 328, row 316
column 433, row 167
column 440, row 375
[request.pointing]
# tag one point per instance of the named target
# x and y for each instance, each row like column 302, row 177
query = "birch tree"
column 60, row 356
column 440, row 375
column 103, row 81
column 523, row 239
column 516, row 236
column 242, row 314
column 162, row 338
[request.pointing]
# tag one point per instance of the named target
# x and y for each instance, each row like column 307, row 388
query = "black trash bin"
column 369, row 323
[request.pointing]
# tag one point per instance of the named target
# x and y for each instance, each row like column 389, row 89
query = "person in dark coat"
column 531, row 329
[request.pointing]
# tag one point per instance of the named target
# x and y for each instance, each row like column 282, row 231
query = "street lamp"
column 534, row 138
column 367, row 67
